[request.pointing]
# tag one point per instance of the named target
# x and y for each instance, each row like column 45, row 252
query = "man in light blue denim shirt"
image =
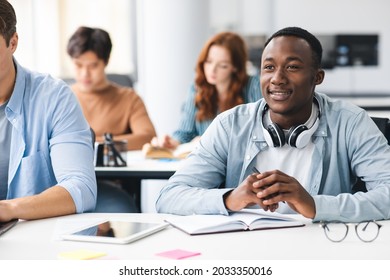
column 309, row 148
column 46, row 145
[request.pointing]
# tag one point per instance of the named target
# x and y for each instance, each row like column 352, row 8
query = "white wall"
column 249, row 17
column 334, row 16
column 322, row 18
column 170, row 35
column 38, row 28
column 112, row 16
column 44, row 27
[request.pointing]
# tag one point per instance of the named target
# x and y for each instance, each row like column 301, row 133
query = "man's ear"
column 319, row 77
column 13, row 42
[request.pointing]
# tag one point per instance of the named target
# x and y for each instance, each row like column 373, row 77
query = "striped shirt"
column 189, row 127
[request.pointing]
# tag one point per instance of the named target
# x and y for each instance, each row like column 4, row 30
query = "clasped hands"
column 267, row 190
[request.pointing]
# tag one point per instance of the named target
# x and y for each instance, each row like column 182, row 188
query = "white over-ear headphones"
column 297, row 136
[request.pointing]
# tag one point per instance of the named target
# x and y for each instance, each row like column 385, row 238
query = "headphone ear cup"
column 276, row 135
column 296, row 136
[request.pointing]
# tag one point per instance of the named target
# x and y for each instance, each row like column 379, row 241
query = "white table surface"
column 137, row 162
column 38, row 240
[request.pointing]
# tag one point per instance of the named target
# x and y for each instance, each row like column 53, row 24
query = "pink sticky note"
column 178, row 254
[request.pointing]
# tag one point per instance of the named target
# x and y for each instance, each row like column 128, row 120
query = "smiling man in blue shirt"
column 309, row 148
column 46, row 156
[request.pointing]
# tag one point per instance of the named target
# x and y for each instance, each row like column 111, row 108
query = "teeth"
column 279, row 93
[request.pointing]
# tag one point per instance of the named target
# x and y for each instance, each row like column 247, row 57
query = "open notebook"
column 5, row 226
column 248, row 219
column 181, row 152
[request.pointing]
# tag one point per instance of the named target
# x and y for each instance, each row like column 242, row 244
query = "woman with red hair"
column 221, row 82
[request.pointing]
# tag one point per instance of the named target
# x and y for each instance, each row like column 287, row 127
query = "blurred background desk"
column 140, row 168
column 38, row 240
column 137, row 169
column 376, row 104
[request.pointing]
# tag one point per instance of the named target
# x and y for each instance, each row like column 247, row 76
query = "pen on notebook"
column 254, row 169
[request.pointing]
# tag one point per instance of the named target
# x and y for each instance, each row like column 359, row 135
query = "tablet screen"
column 116, row 231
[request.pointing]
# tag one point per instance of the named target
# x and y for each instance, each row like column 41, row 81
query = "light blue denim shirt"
column 347, row 144
column 51, row 140
column 189, row 127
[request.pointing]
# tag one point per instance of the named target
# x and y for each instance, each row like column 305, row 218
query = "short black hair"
column 90, row 39
column 7, row 21
column 314, row 43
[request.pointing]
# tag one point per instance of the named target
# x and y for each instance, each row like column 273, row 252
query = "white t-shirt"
column 290, row 160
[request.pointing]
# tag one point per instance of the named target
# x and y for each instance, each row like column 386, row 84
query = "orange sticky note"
column 81, row 255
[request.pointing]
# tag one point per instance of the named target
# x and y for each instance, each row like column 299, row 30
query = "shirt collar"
column 15, row 102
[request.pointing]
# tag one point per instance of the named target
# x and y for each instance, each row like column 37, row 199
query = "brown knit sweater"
column 117, row 110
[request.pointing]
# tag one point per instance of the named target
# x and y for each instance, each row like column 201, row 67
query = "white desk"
column 30, row 240
column 376, row 105
column 137, row 169
column 141, row 168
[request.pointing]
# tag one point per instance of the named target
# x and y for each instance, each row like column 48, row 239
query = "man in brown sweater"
column 108, row 107
column 117, row 110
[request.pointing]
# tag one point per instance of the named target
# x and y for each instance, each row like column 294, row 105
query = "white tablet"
column 119, row 232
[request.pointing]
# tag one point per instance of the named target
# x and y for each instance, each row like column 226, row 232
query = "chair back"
column 120, row 79
column 384, row 126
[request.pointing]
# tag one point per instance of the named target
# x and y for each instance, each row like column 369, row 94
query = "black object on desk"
column 107, row 153
column 5, row 226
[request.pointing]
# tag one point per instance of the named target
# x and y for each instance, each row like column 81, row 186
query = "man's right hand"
column 246, row 195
